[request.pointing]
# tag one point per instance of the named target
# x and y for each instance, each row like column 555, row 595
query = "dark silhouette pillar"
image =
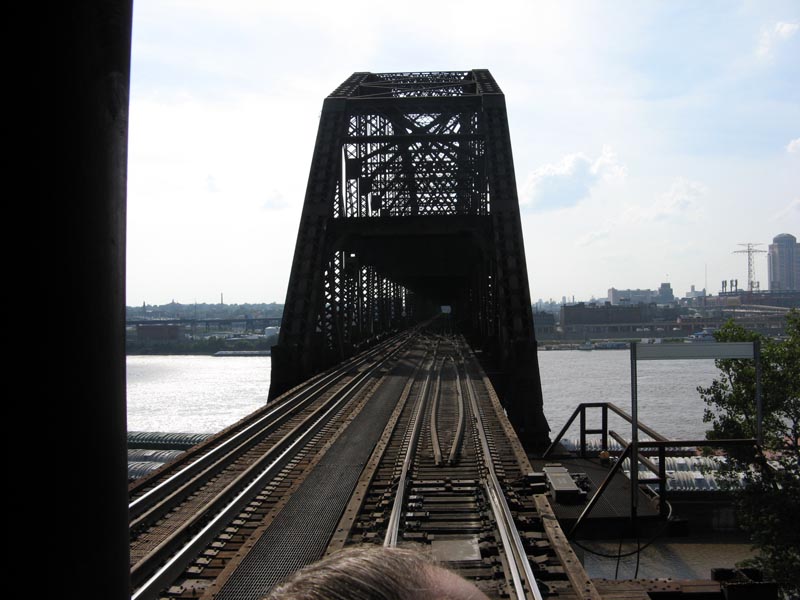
column 85, row 74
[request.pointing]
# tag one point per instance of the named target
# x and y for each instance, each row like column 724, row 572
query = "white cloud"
column 608, row 167
column 593, row 236
column 211, row 94
column 790, row 210
column 274, row 200
column 570, row 180
column 681, row 200
column 793, row 146
column 680, row 203
column 786, row 30
column 771, row 37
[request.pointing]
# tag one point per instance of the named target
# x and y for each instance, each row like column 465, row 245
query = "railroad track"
column 451, row 482
column 176, row 472
column 175, row 516
column 405, row 446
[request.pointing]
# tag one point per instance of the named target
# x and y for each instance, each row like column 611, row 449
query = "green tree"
column 766, row 486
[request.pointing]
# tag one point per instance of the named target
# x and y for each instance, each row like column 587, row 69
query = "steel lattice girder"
column 411, row 204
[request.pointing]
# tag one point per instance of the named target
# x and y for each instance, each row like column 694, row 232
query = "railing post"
column 604, row 439
column 561, row 433
column 662, row 484
column 634, row 437
column 583, row 431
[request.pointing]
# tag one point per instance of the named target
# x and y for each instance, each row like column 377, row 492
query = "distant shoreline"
column 202, row 347
column 190, row 352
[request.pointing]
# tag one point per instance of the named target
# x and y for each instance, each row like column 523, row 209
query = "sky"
column 650, row 139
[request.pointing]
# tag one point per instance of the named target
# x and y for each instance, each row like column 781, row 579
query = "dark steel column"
column 301, row 349
column 521, row 388
column 83, row 166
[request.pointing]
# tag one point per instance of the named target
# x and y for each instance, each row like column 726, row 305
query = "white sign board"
column 696, row 350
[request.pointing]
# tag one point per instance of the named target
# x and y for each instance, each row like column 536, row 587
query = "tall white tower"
column 784, row 263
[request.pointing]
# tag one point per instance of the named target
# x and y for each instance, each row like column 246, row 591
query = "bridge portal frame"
column 412, row 203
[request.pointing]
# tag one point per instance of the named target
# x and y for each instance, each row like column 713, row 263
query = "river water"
column 667, row 389
column 194, row 394
column 203, row 394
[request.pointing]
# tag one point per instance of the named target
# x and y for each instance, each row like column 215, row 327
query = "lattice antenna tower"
column 751, row 251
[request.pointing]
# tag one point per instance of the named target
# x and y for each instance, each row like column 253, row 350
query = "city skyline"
column 693, row 291
column 649, row 139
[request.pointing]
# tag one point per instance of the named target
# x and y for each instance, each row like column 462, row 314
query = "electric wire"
column 638, row 550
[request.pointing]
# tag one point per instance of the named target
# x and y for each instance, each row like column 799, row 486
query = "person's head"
column 375, row 573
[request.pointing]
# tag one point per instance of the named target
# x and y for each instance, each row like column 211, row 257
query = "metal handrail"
column 642, row 458
column 661, row 446
column 606, row 482
column 580, row 410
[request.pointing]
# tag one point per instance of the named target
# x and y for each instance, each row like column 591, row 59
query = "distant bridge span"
column 247, row 323
column 412, row 204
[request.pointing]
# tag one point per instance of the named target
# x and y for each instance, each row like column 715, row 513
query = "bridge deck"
column 331, row 476
column 611, row 514
column 300, row 532
column 323, row 468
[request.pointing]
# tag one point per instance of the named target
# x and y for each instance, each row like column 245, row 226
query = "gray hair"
column 363, row 573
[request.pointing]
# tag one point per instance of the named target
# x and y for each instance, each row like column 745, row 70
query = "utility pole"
column 752, row 284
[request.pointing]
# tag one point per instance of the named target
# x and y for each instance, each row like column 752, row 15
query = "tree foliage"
column 768, row 501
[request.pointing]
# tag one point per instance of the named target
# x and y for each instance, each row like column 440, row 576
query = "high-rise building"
column 665, row 295
column 784, row 263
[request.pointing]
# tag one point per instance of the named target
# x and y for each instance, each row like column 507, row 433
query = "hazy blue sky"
column 649, row 138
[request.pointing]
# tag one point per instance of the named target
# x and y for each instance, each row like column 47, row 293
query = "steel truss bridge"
column 412, row 205
column 382, row 427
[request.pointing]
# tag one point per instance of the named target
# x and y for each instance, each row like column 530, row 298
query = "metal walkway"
column 299, row 534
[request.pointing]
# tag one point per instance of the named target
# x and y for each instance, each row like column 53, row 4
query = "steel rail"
column 168, row 501
column 454, row 449
column 509, row 535
column 162, row 494
column 196, row 452
column 434, row 422
column 173, row 564
column 393, row 527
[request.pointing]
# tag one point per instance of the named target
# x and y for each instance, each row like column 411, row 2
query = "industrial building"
column 663, row 295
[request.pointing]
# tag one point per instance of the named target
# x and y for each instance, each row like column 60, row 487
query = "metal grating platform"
column 300, row 533
column 612, row 510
